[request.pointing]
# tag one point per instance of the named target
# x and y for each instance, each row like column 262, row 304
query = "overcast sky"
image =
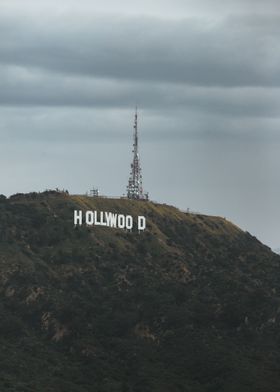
column 205, row 75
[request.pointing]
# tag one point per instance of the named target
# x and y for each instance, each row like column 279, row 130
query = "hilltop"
column 190, row 304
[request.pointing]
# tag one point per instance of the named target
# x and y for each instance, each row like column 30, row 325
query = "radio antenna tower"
column 135, row 188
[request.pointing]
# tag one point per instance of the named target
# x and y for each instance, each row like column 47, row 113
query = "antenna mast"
column 135, row 188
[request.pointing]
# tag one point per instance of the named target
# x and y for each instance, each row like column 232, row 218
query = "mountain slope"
column 191, row 304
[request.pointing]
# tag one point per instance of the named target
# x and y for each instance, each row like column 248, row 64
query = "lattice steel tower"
column 135, row 188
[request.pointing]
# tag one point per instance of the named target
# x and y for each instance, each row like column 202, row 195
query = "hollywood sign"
column 109, row 219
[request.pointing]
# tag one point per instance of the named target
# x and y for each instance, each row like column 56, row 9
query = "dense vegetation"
column 191, row 304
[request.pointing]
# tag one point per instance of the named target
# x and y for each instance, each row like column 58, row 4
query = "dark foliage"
column 192, row 304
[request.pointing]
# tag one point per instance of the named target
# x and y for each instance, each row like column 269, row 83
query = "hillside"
column 190, row 304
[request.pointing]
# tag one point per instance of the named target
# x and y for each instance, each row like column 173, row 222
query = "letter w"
column 111, row 219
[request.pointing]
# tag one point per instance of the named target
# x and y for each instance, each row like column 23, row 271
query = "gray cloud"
column 234, row 52
column 22, row 86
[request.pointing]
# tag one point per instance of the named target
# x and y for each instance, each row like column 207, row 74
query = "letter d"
column 141, row 223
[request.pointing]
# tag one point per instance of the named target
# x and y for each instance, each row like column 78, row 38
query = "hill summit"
column 191, row 303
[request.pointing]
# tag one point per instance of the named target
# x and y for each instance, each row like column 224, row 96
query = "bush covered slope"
column 191, row 304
